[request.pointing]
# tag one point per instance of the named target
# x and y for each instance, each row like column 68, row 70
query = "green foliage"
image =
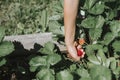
column 64, row 75
column 2, row 61
column 43, row 64
column 45, row 74
column 5, row 47
column 2, row 33
column 33, row 16
column 100, row 73
column 116, row 46
column 49, row 48
column 99, row 26
column 52, row 66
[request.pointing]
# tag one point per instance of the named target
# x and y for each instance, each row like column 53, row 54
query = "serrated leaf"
column 115, row 27
column 98, row 8
column 102, row 56
column 55, row 28
column 2, row 61
column 2, row 33
column 91, row 48
column 83, row 73
column 64, row 75
column 116, row 46
column 45, row 74
column 38, row 61
column 6, row 48
column 108, row 38
column 111, row 14
column 93, row 22
column 89, row 22
column 48, row 48
column 95, row 33
column 99, row 22
column 100, row 71
column 93, row 59
column 89, row 4
column 53, row 59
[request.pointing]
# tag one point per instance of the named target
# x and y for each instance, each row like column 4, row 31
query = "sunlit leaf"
column 83, row 73
column 48, row 48
column 108, row 38
column 38, row 61
column 92, row 58
column 116, row 46
column 53, row 59
column 45, row 74
column 98, row 8
column 6, row 48
column 100, row 73
column 115, row 27
column 64, row 75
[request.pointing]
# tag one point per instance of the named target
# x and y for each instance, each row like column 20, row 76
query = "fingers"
column 72, row 54
column 75, row 52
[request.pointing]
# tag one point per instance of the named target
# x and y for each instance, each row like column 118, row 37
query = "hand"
column 75, row 52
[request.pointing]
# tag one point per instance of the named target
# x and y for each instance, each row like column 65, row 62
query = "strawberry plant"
column 99, row 26
column 33, row 16
column 51, row 64
column 5, row 47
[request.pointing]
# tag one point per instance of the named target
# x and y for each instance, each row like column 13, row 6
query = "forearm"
column 70, row 13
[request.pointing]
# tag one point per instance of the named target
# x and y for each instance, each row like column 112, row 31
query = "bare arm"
column 70, row 13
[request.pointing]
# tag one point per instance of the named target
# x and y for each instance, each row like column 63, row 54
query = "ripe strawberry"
column 79, row 52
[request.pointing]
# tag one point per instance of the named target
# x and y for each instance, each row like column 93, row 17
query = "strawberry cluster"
column 78, row 44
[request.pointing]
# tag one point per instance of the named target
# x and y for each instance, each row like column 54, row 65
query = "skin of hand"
column 70, row 14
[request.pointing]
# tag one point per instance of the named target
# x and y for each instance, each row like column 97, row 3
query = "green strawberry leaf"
column 115, row 27
column 53, row 59
column 38, row 61
column 108, row 38
column 116, row 46
column 95, row 33
column 64, row 75
column 93, row 22
column 48, row 48
column 89, row 4
column 98, row 8
column 93, row 59
column 45, row 74
column 100, row 73
column 6, row 48
column 83, row 73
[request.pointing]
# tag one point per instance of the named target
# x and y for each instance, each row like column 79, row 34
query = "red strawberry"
column 79, row 52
